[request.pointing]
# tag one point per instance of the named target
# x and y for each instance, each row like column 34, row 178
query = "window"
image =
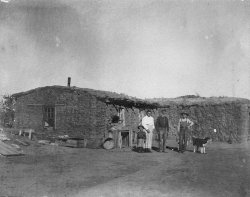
column 50, row 112
column 49, row 116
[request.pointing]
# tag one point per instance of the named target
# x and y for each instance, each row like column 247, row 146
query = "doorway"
column 125, row 138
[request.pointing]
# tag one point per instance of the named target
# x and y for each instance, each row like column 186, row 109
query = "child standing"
column 141, row 137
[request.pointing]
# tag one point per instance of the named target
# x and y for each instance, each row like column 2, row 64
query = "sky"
column 142, row 48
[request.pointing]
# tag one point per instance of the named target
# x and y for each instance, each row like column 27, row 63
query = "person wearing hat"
column 183, row 129
column 162, row 128
column 149, row 125
column 141, row 137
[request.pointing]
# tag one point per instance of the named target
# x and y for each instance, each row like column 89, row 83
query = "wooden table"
column 29, row 131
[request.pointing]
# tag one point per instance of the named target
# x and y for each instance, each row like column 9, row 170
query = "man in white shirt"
column 149, row 125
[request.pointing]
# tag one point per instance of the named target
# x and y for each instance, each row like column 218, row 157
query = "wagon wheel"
column 109, row 144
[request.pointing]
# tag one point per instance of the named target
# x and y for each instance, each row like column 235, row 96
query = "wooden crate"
column 122, row 138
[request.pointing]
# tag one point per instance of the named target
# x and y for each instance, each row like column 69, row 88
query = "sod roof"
column 192, row 100
column 129, row 101
column 105, row 96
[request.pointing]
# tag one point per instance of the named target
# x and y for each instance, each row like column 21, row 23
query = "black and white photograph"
column 124, row 98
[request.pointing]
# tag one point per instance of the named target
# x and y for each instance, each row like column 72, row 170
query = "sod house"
column 90, row 113
column 77, row 111
column 221, row 118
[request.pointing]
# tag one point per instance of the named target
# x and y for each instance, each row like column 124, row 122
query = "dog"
column 201, row 143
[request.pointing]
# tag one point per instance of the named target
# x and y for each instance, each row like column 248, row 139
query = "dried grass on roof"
column 196, row 100
column 123, row 99
column 106, row 96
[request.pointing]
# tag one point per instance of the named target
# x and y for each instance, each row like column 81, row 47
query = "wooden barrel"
column 109, row 144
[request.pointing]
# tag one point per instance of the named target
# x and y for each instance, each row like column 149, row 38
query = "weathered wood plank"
column 8, row 150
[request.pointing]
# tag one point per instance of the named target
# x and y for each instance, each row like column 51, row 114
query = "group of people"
column 161, row 125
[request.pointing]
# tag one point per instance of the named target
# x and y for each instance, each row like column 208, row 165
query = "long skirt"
column 140, row 143
column 149, row 137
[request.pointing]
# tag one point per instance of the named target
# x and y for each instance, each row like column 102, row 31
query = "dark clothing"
column 141, row 135
column 162, row 127
column 162, row 122
column 183, row 138
column 183, row 135
column 163, row 135
column 140, row 149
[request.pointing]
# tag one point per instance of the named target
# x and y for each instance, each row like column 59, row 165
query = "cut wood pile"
column 8, row 150
column 8, row 145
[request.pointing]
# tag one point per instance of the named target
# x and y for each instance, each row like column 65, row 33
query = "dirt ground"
column 55, row 171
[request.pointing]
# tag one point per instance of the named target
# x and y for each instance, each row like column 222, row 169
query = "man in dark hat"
column 162, row 128
column 183, row 130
